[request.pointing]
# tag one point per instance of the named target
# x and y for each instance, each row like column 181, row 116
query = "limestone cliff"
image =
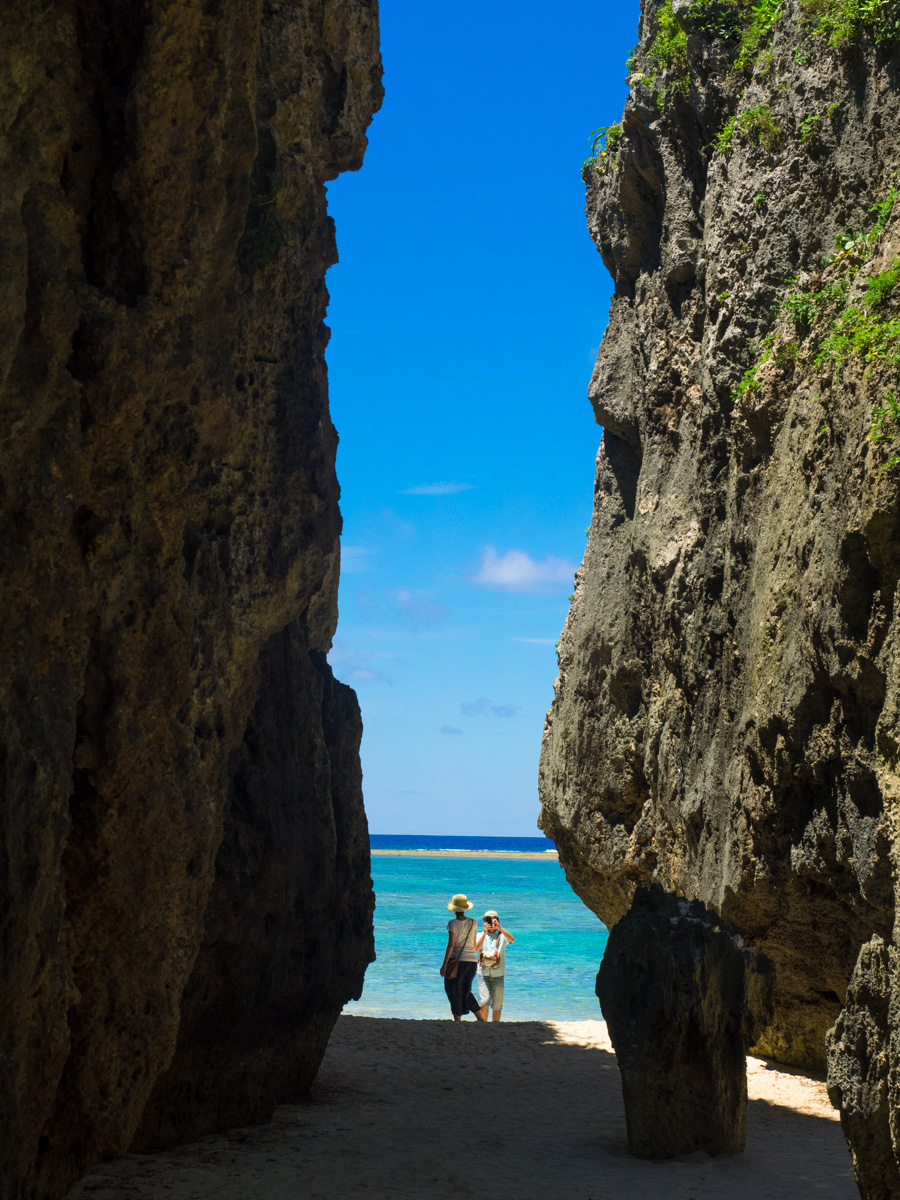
column 181, row 797
column 727, row 712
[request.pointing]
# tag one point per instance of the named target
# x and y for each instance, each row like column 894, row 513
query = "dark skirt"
column 459, row 990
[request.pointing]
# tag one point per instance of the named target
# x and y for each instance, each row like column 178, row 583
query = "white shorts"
column 489, row 990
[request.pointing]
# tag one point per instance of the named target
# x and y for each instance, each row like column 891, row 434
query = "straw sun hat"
column 460, row 903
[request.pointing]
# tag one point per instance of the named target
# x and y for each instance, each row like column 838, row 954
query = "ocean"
column 551, row 968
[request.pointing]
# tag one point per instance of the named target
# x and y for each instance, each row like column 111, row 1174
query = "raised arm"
column 509, row 937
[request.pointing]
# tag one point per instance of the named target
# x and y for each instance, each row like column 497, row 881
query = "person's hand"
column 442, row 970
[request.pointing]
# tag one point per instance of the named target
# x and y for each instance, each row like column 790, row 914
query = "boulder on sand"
column 683, row 1000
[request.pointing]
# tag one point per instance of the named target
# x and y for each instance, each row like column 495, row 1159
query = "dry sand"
column 514, row 1111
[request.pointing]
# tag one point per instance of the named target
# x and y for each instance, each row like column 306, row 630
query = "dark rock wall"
column 683, row 1000
column 862, row 1074
column 181, row 798
column 726, row 713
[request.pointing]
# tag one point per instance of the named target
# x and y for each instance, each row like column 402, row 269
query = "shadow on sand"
column 514, row 1111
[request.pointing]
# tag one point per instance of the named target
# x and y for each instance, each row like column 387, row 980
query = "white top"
column 494, row 942
column 463, row 931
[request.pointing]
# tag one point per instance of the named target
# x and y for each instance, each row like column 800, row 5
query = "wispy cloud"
column 355, row 559
column 417, row 606
column 401, row 529
column 437, row 489
column 450, row 730
column 536, row 641
column 356, row 666
column 366, row 675
column 517, row 571
column 483, row 707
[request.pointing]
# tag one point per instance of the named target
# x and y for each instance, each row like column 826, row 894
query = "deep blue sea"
column 551, row 968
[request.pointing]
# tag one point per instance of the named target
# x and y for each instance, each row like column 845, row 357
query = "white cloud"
column 356, row 666
column 355, row 559
column 517, row 571
column 417, row 606
column 366, row 675
column 536, row 641
column 437, row 489
column 482, row 706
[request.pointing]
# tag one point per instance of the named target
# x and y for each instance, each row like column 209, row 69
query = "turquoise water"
column 550, row 971
column 455, row 841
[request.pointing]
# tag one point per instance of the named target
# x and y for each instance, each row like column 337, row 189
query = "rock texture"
column 683, row 1000
column 181, row 798
column 727, row 712
column 862, row 1078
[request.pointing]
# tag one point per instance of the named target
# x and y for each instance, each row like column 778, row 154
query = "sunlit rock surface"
column 181, row 795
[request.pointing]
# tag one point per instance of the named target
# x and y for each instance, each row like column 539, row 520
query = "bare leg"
column 480, row 1015
column 497, row 1012
column 484, row 1013
column 457, row 1018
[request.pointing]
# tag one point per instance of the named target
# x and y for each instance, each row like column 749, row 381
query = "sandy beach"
column 427, row 1110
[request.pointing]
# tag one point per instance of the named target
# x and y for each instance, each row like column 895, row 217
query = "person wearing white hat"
column 491, row 944
column 461, row 959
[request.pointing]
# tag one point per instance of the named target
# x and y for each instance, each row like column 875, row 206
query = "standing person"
column 491, row 944
column 461, row 960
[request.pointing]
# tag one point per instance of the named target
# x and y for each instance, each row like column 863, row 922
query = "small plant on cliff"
column 886, row 427
column 604, row 148
column 668, row 56
column 718, row 19
column 669, row 47
column 808, row 127
column 842, row 22
column 748, row 381
column 764, row 16
column 757, row 122
column 879, row 287
column 859, row 331
column 802, row 308
column 265, row 233
column 760, row 125
column 725, row 136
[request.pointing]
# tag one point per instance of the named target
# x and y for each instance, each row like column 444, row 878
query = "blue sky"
column 466, row 312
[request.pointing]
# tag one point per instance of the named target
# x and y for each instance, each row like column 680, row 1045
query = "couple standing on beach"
column 471, row 955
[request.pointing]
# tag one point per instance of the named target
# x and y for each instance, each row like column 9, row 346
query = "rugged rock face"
column 726, row 712
column 861, row 1081
column 683, row 1000
column 181, row 789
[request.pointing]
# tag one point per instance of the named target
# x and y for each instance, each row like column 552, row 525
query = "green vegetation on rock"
column 757, row 122
column 886, row 427
column 604, row 148
column 830, row 328
column 843, row 21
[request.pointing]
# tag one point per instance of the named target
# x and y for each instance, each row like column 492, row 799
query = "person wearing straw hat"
column 460, row 959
